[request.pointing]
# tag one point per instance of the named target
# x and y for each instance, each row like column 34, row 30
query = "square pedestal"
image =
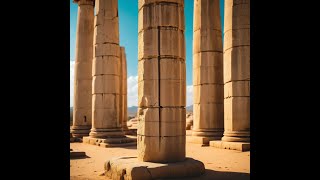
column 203, row 141
column 130, row 168
column 111, row 142
column 239, row 146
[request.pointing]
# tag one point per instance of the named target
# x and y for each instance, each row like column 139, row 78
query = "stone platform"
column 203, row 141
column 111, row 142
column 130, row 168
column 239, row 146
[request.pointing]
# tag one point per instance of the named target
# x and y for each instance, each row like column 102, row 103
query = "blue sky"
column 128, row 22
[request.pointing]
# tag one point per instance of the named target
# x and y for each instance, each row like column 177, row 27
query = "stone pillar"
column 83, row 67
column 236, row 69
column 124, row 115
column 207, row 72
column 161, row 81
column 106, row 72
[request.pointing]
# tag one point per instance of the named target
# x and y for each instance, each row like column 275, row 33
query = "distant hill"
column 189, row 108
column 132, row 111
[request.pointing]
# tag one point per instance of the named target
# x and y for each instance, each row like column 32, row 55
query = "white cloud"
column 132, row 91
column 71, row 82
column 189, row 95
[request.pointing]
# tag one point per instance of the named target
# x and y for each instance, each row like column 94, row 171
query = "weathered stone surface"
column 106, row 50
column 239, row 146
column 105, row 84
column 105, row 101
column 130, row 168
column 205, row 13
column 208, row 93
column 170, row 93
column 207, row 59
column 83, row 69
column 161, row 149
column 210, row 116
column 208, row 75
column 105, row 118
column 236, row 14
column 236, row 64
column 204, row 141
column 162, row 14
column 237, row 89
column 107, row 31
column 106, row 65
column 142, row 3
column 106, row 9
column 207, row 40
column 148, row 93
column 107, row 142
column 236, row 113
column 236, row 37
column 161, row 129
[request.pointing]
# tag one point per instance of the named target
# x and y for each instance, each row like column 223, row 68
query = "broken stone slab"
column 130, row 168
column 77, row 154
column 239, row 146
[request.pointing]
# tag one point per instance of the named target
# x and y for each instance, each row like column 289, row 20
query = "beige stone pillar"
column 237, row 71
column 207, row 72
column 106, row 72
column 161, row 81
column 124, row 115
column 83, row 68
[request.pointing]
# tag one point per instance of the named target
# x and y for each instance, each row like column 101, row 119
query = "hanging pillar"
column 83, row 67
column 162, row 97
column 236, row 70
column 106, row 126
column 207, row 73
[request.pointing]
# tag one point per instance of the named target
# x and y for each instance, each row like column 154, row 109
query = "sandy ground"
column 219, row 163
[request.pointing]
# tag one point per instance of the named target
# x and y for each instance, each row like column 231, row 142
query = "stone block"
column 148, row 114
column 171, row 115
column 107, row 84
column 238, row 146
column 161, row 149
column 105, row 118
column 236, row 89
column 83, row 70
column 106, row 32
column 208, row 93
column 148, row 69
column 236, row 64
column 142, row 3
column 171, row 69
column 106, row 9
column 161, row 128
column 106, row 50
column 172, row 43
column 207, row 59
column 82, row 100
column 206, row 15
column 148, row 44
column 236, row 37
column 148, row 93
column 237, row 113
column 206, row 116
column 236, row 14
column 208, row 75
column 82, row 116
column 162, row 14
column 106, row 65
column 105, row 101
column 170, row 93
column 83, row 86
column 207, row 40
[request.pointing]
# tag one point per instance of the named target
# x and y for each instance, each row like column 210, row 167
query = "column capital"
column 84, row 2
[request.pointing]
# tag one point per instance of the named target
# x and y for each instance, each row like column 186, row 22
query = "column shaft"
column 161, row 81
column 124, row 107
column 237, row 71
column 83, row 67
column 207, row 70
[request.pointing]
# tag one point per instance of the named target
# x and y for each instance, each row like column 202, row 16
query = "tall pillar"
column 124, row 115
column 106, row 123
column 83, row 67
column 161, row 98
column 236, row 68
column 207, row 72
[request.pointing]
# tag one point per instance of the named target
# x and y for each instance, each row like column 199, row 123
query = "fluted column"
column 207, row 72
column 237, row 71
column 161, row 81
column 83, row 67
column 106, row 72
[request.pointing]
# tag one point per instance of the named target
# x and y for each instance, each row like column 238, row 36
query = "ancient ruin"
column 106, row 128
column 207, row 72
column 236, row 75
column 82, row 109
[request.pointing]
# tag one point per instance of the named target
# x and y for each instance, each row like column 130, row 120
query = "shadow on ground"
column 82, row 157
column 221, row 175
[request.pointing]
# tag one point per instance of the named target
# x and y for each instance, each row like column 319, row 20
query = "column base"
column 239, row 146
column 111, row 142
column 106, row 133
column 236, row 136
column 80, row 131
column 130, row 168
column 203, row 136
